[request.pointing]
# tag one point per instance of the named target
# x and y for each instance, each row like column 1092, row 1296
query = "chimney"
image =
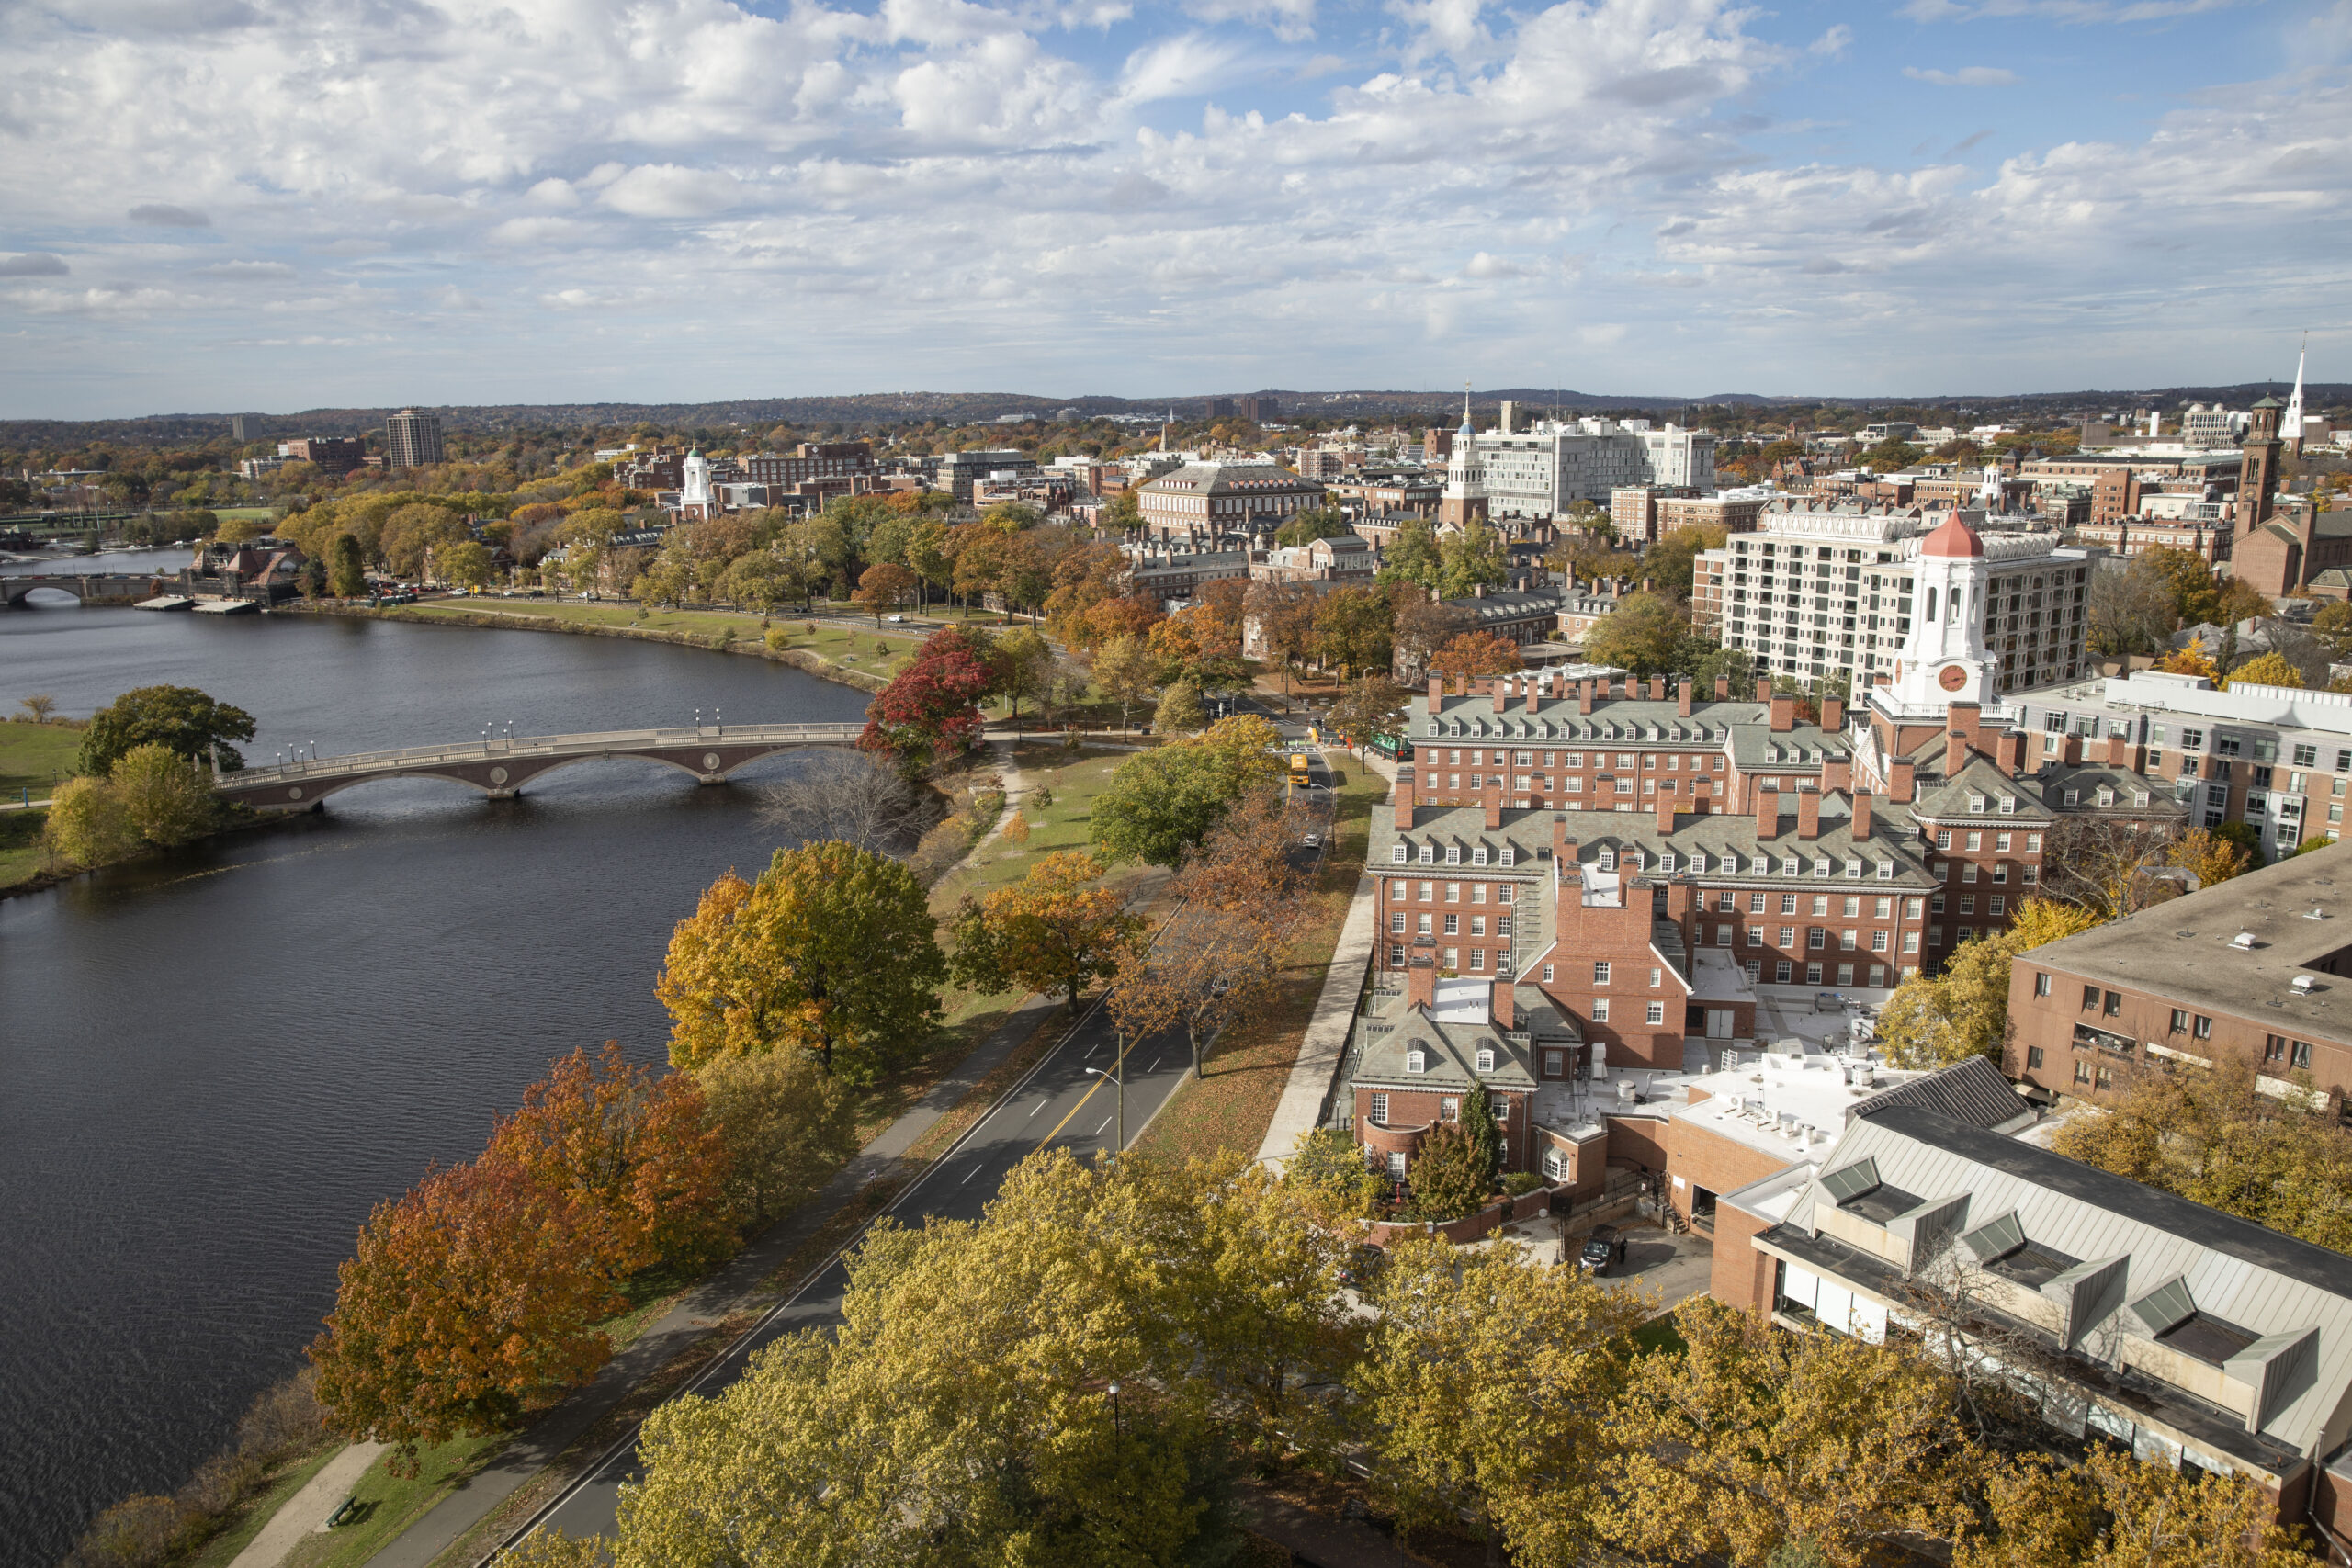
column 2073, row 754
column 1537, row 691
column 1900, row 785
column 1437, row 693
column 1493, row 796
column 1768, row 812
column 1808, row 813
column 1833, row 715
column 1967, row 718
column 1563, row 844
column 1420, row 982
column 1861, row 814
column 1502, row 694
column 1461, row 685
column 1763, row 688
column 1723, row 688
column 1784, row 713
column 1657, row 688
column 1955, row 753
column 1584, row 696
column 1682, row 699
column 1678, row 895
column 1837, row 773
column 2008, row 752
column 1401, row 796
column 1666, row 813
column 2119, row 752
column 1502, row 1006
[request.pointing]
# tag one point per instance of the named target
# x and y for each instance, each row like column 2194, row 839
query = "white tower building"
column 2291, row 424
column 1944, row 658
column 1466, row 498
column 696, row 503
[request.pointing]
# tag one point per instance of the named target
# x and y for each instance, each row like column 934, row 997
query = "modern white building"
column 1823, row 590
column 1546, row 469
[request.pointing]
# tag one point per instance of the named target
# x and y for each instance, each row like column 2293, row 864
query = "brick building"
column 1203, row 503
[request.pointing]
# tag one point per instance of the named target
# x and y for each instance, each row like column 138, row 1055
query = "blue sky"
column 275, row 204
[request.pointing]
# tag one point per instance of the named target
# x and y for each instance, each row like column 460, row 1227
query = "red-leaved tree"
column 933, row 709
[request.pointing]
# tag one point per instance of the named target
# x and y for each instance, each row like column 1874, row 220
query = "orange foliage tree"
column 1473, row 654
column 1056, row 929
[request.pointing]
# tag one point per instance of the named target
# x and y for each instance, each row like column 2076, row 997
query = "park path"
column 305, row 1513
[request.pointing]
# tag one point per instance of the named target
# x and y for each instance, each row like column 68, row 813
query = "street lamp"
column 1115, row 1433
column 1118, row 1076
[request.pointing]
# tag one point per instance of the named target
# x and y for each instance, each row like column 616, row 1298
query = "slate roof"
column 1972, row 1091
column 1449, row 1048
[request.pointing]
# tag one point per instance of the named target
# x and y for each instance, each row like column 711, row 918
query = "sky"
column 221, row 205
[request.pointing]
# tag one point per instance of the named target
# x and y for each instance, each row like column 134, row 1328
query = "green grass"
column 35, row 756
column 393, row 1503
column 223, row 1548
column 879, row 653
column 1076, row 779
column 1249, row 1066
column 20, row 851
column 1660, row 1333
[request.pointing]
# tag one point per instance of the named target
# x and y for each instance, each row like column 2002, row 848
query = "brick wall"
column 1704, row 1157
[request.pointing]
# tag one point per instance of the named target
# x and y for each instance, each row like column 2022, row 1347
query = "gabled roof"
column 1449, row 1051
column 1950, row 799
column 1972, row 1091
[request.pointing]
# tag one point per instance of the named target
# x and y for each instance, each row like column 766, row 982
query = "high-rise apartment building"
column 1820, row 591
column 1543, row 470
column 412, row 440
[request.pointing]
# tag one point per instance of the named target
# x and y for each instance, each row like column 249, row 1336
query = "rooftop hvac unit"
column 2301, row 985
column 2242, row 941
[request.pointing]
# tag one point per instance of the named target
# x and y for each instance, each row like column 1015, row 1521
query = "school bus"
column 1299, row 768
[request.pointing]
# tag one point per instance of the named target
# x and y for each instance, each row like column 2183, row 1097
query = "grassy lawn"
column 223, row 1548
column 20, row 852
column 35, row 756
column 1659, row 1333
column 878, row 653
column 392, row 1503
column 1075, row 778
column 1248, row 1068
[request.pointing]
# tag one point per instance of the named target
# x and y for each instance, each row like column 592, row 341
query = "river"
column 214, row 1063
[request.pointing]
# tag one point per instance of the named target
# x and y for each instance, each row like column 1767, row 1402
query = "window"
column 2041, row 987
column 1600, row 972
column 1968, row 872
column 1878, row 942
column 1782, row 972
column 1395, row 957
column 1453, row 925
column 1658, row 977
column 1911, row 909
column 1815, row 938
column 2082, row 1072
column 1552, row 1063
column 2033, row 1058
column 1478, row 855
column 2274, row 1047
column 1396, row 854
column 1424, row 923
column 2090, row 997
column 1846, row 940
column 1756, row 936
column 1968, row 903
column 1453, row 854
column 1821, row 904
column 1723, row 935
column 2114, row 1008
column 2306, row 756
column 1448, row 1109
column 1910, row 941
column 1396, row 923
column 1379, row 1108
column 1943, row 838
column 2203, row 1028
column 1656, row 1013
column 1813, row 973
column 1600, row 1010
column 1428, row 855
column 1788, row 903
column 1417, row 1060
column 1997, row 904
column 1547, row 973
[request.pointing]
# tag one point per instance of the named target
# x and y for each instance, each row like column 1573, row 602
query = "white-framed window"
column 1656, row 1013
column 1397, row 922
column 1448, row 1109
column 1428, row 855
column 1657, row 977
column 1486, row 1058
column 1478, row 855
column 1396, row 854
column 1600, row 972
column 1453, row 854
column 1547, row 973
column 1600, row 1010
column 1379, row 1108
column 1417, row 1060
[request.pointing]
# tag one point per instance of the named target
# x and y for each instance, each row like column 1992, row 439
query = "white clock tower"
column 1945, row 659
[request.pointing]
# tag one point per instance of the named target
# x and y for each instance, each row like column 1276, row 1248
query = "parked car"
column 1603, row 1249
column 1363, row 1266
column 1313, row 841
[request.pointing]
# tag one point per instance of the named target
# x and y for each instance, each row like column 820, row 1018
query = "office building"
column 412, row 440
column 1203, row 502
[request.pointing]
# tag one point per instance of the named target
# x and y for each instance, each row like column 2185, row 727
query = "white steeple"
column 2291, row 424
column 694, row 494
column 1944, row 658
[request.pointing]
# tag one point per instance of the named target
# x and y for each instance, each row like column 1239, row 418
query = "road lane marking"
column 1106, row 1122
column 1155, row 1065
column 1039, row 1106
column 977, row 1168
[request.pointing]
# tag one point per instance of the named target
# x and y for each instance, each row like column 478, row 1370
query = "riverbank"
column 823, row 650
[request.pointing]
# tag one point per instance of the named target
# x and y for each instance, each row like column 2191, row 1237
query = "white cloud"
column 1966, row 76
column 1189, row 66
column 665, row 190
column 32, row 263
column 246, row 271
column 1832, row 44
column 164, row 216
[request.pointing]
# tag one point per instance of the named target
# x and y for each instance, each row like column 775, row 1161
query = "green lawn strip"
column 875, row 651
column 392, row 1503
column 33, row 757
column 1076, row 778
column 237, row 1534
column 1248, row 1068
column 21, row 857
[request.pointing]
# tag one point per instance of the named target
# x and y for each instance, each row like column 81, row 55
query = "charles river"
column 214, row 1063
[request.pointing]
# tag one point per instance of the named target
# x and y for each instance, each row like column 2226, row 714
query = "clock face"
column 1952, row 678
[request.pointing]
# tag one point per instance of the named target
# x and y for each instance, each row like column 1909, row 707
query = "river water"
column 214, row 1063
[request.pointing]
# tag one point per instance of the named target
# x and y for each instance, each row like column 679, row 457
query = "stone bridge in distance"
column 500, row 768
column 90, row 587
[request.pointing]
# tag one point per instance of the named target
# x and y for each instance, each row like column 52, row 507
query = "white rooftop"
column 1464, row 1002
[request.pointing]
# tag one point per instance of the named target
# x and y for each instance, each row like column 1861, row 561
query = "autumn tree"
column 1160, row 803
column 1671, row 564
column 932, row 709
column 1285, row 612
column 1058, row 928
column 786, row 1125
column 86, row 823
column 883, row 588
column 1422, row 626
column 1475, row 655
column 1333, row 1180
column 1024, row 666
column 1473, row 559
column 631, row 1146
column 1933, row 1020
column 1124, row 672
column 1412, row 557
column 1448, row 1178
column 1200, row 645
column 2211, row 856
column 1372, row 706
column 463, row 564
column 1243, row 863
column 1642, row 635
column 2110, row 866
column 1354, row 631
column 471, row 1291
column 790, row 962
column 179, row 717
column 166, row 797
column 2115, row 1511
column 1209, row 969
column 2265, row 670
column 346, row 568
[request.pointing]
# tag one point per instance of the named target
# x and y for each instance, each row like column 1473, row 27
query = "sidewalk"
column 305, row 1513
column 1300, row 1110
column 736, row 1285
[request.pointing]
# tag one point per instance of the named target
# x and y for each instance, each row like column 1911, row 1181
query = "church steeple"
column 2291, row 424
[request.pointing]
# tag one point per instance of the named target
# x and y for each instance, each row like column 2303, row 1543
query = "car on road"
column 1313, row 841
column 1603, row 1249
column 894, row 618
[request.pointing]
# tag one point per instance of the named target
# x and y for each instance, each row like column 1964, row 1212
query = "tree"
column 2242, row 600
column 1412, row 557
column 850, row 796
column 1372, row 706
column 469, row 1292
column 1284, row 611
column 2210, row 1136
column 1210, row 968
column 2211, row 855
column 1672, row 563
column 1057, row 930
column 1243, row 863
column 1486, row 1393
column 411, row 531
column 88, row 824
column 1334, row 1183
column 931, row 708
column 1199, row 644
column 1180, row 711
column 1352, row 628
column 786, row 1125
column 1124, row 512
column 1475, row 558
column 790, row 962
column 1316, row 523
column 2265, row 670
column 2115, row 1511
column 2188, row 579
column 347, row 570
column 2132, row 609
column 631, row 1147
column 1932, row 1020
column 1422, row 626
column 1485, row 1143
column 1447, row 1178
column 166, row 799
column 180, row 717
column 884, row 587
column 465, row 564
column 1474, row 655
column 1641, row 636
column 1024, row 664
column 2111, row 867
column 1124, row 671
column 39, row 708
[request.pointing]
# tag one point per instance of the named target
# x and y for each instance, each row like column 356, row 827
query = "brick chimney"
column 1837, row 773
column 1832, row 714
column 1666, row 813
column 1437, row 693
column 1723, row 688
column 1584, row 696
column 1955, row 753
column 1861, row 814
column 1401, row 796
column 2119, row 752
column 1763, row 688
column 2073, row 754
column 1682, row 699
column 1657, row 688
column 1808, row 813
column 1679, row 896
column 1784, row 714
column 2008, row 752
column 1901, row 784
column 1491, row 792
column 1501, row 1005
column 1768, row 812
column 1461, row 686
column 1502, row 694
column 1420, row 981
column 1537, row 691
column 1563, row 844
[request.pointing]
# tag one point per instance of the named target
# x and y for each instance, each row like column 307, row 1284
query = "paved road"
column 1062, row 1105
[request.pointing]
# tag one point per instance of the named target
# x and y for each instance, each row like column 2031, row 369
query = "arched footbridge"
column 499, row 768
column 91, row 588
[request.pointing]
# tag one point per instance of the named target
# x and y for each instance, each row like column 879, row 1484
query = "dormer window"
column 1453, row 854
column 2105, row 796
column 1428, row 855
column 1886, row 871
column 2074, row 798
column 1608, row 861
column 1792, row 866
column 1760, row 866
column 1854, row 869
column 1417, row 1060
column 2138, row 797
column 1478, row 855
column 1821, row 868
column 1977, row 805
column 1666, row 862
column 1511, row 855
column 1396, row 854
column 2009, row 806
column 1486, row 1060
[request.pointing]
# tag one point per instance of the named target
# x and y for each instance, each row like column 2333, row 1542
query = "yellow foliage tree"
column 1933, row 1020
column 2190, row 660
column 1057, row 930
column 2265, row 670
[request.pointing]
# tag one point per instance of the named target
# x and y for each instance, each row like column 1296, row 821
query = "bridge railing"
column 542, row 746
